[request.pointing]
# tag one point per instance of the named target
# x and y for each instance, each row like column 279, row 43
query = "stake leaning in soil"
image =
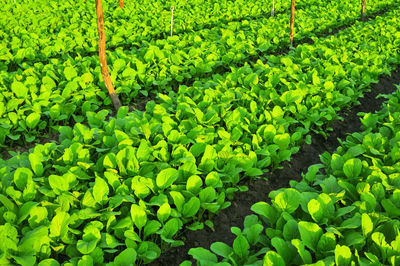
column 273, row 8
column 102, row 55
column 172, row 20
column 363, row 10
column 292, row 22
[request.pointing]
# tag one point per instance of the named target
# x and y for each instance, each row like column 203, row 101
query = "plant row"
column 50, row 29
column 40, row 91
column 121, row 191
column 344, row 211
column 260, row 35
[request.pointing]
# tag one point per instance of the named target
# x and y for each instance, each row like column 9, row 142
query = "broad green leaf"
column 139, row 216
column 126, row 258
column 283, row 140
column 35, row 239
column 337, row 162
column 310, row 234
column 342, row 255
column 49, row 262
column 191, row 207
column 315, row 210
column 6, row 202
column 19, row 89
column 265, row 210
column 327, row 242
column 170, row 228
column 207, row 195
column 369, row 199
column 212, row 179
column 208, row 160
column 241, row 247
column 287, row 200
column 352, row 223
column 302, row 251
column 110, row 161
column 100, row 190
column 86, row 260
column 48, row 83
column 194, row 184
column 179, row 200
column 25, row 210
column 36, row 164
column 352, row 168
column 203, row 256
column 221, row 249
column 32, row 120
column 254, row 232
column 25, row 260
column 143, row 152
column 38, row 216
column 70, row 73
column 390, row 208
column 164, row 212
column 62, row 183
column 151, row 227
column 284, row 249
column 89, row 240
column 21, row 177
column 291, row 230
column 59, row 224
column 166, row 177
column 272, row 258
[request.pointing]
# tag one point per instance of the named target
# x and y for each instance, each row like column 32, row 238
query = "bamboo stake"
column 292, row 22
column 273, row 8
column 172, row 20
column 121, row 3
column 102, row 55
column 363, row 10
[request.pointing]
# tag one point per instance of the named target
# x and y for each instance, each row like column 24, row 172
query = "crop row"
column 241, row 38
column 122, row 190
column 40, row 91
column 48, row 28
column 344, row 211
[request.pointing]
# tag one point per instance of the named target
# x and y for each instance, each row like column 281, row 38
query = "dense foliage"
column 345, row 211
column 121, row 190
column 64, row 80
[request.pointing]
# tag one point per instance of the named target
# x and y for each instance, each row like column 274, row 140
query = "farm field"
column 224, row 103
column 345, row 204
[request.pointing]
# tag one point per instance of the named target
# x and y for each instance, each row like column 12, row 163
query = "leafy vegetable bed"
column 234, row 215
column 48, row 23
column 121, row 190
column 40, row 91
column 345, row 210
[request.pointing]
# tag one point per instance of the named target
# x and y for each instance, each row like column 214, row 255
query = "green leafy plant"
column 345, row 212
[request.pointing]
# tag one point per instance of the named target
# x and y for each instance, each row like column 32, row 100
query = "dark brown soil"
column 259, row 189
column 4, row 153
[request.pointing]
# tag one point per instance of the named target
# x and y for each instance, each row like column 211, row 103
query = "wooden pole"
column 363, row 10
column 121, row 3
column 273, row 8
column 172, row 20
column 292, row 22
column 102, row 55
